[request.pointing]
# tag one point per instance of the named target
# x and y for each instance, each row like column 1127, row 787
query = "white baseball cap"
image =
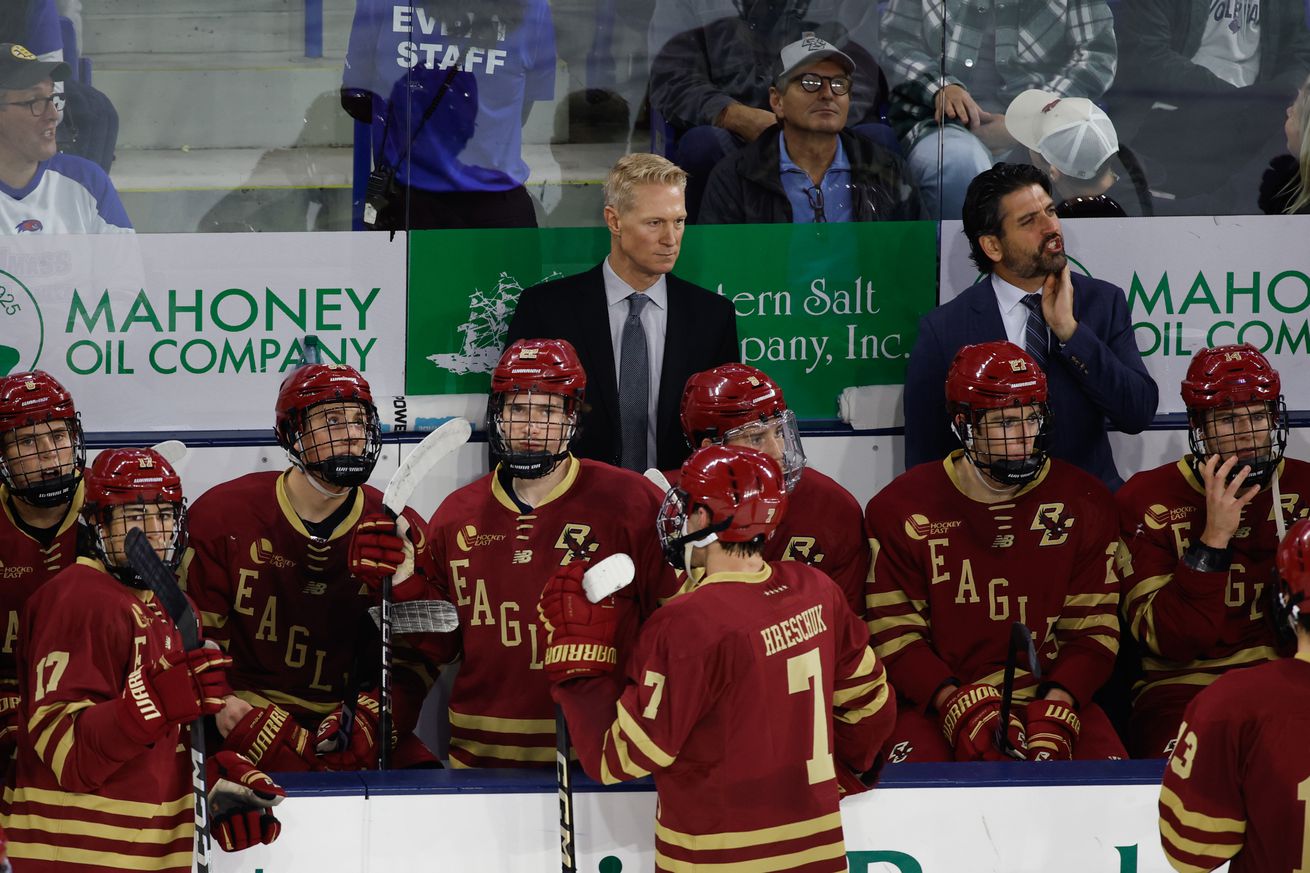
column 1072, row 133
column 809, row 50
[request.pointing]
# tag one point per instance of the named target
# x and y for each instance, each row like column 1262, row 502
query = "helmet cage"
column 671, row 523
column 337, row 464
column 33, row 487
column 106, row 542
column 753, row 435
column 501, row 419
column 1261, row 461
column 1000, row 464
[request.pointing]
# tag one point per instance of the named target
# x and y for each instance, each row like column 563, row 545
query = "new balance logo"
column 1003, row 541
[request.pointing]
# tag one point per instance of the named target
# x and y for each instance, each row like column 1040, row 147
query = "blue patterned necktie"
column 1036, row 337
column 634, row 385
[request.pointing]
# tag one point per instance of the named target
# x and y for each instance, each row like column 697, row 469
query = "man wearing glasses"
column 44, row 191
column 807, row 167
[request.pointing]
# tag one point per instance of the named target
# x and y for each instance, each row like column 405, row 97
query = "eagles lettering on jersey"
column 746, row 697
column 81, row 796
column 492, row 560
column 950, row 574
column 1194, row 626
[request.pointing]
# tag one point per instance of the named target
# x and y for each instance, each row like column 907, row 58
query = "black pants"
column 415, row 209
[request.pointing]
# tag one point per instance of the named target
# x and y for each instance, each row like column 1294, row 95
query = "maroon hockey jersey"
column 1237, row 785
column 1193, row 626
column 744, row 697
column 82, row 797
column 24, row 565
column 492, row 561
column 950, row 575
column 283, row 602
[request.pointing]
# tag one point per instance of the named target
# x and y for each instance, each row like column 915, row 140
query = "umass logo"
column 22, row 329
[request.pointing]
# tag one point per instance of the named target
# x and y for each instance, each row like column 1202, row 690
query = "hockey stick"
column 417, row 464
column 419, row 617
column 602, row 579
column 145, row 561
column 1020, row 638
column 173, row 451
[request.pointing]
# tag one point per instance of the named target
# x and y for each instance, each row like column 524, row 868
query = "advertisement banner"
column 184, row 332
column 1190, row 283
column 820, row 307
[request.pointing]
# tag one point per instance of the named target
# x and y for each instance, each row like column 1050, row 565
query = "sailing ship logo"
column 484, row 331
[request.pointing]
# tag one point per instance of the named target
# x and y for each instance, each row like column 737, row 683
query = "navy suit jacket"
column 1097, row 375
column 701, row 333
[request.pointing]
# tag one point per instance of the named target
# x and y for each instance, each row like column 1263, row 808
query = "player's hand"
column 1057, row 304
column 969, row 719
column 359, row 751
column 8, row 727
column 1052, row 728
column 579, row 633
column 955, row 103
column 241, row 801
column 269, row 738
column 176, row 690
column 1224, row 500
column 380, row 547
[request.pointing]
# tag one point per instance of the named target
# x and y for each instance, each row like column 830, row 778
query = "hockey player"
column 1235, row 786
column 1202, row 532
column 497, row 538
column 753, row 698
column 996, row 533
column 276, row 567
column 738, row 405
column 101, row 779
column 42, row 452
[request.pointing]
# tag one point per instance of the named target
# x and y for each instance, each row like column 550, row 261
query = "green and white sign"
column 820, row 307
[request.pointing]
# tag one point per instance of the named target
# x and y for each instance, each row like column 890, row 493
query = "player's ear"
column 706, row 441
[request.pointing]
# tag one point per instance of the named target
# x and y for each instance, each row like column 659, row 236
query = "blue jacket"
column 1097, row 375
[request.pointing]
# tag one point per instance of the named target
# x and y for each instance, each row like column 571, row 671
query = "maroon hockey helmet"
column 1291, row 579
column 736, row 403
column 536, row 366
column 742, row 489
column 993, row 376
column 341, row 461
column 121, row 480
column 28, row 400
column 1235, row 376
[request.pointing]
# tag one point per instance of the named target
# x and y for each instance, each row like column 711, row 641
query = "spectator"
column 1076, row 325
column 808, row 168
column 1074, row 141
column 630, row 350
column 446, row 87
column 996, row 534
column 42, row 191
column 712, row 64
column 953, row 105
column 1190, row 70
column 1285, row 189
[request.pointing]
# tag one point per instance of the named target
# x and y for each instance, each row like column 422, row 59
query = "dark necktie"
column 634, row 385
column 1036, row 338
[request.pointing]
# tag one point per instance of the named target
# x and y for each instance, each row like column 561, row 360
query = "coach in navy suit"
column 1080, row 332
column 684, row 328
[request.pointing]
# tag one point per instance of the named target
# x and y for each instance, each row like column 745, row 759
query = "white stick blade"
column 419, row 617
column 420, row 460
column 173, row 451
column 661, row 482
column 607, row 576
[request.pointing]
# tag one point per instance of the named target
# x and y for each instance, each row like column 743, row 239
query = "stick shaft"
column 564, row 778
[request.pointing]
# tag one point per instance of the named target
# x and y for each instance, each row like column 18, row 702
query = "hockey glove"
column 269, row 738
column 360, row 752
column 176, row 690
column 579, row 633
column 241, row 801
column 1052, row 730
column 969, row 719
column 382, row 547
column 8, row 727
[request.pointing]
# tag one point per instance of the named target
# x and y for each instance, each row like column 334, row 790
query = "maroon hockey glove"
column 579, row 633
column 269, row 738
column 175, row 691
column 361, row 753
column 1052, row 730
column 8, row 727
column 241, row 801
column 968, row 721
column 382, row 547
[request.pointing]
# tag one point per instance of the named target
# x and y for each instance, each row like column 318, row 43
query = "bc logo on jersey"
column 1055, row 525
column 803, row 549
column 576, row 541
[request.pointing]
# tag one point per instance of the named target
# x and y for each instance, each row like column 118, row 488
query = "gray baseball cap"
column 807, row 51
column 20, row 69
